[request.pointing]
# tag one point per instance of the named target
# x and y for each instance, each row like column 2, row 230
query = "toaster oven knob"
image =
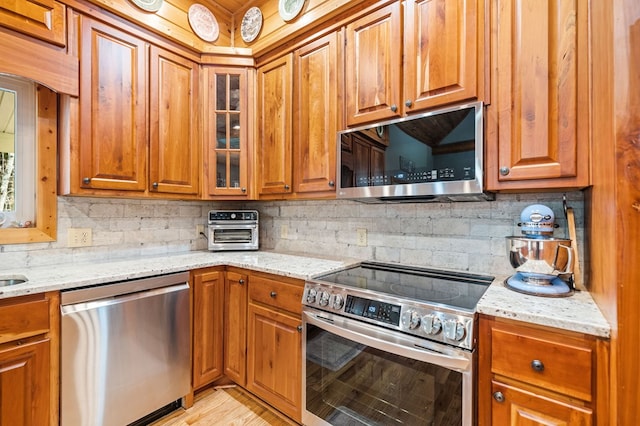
column 311, row 295
column 338, row 301
column 324, row 298
column 453, row 330
column 431, row 324
column 410, row 320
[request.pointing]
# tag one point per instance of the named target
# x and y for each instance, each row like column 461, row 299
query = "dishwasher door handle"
column 97, row 304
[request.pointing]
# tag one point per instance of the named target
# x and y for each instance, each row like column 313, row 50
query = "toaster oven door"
column 236, row 236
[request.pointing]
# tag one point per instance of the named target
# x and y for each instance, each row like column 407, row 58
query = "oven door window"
column 349, row 383
column 232, row 235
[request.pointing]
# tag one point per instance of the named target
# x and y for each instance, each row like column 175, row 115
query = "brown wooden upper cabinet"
column 443, row 50
column 121, row 77
column 226, row 123
column 44, row 20
column 298, row 112
column 538, row 121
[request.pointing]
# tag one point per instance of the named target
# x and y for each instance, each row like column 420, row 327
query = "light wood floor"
column 226, row 406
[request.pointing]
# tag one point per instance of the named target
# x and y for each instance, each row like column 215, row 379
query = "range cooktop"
column 429, row 303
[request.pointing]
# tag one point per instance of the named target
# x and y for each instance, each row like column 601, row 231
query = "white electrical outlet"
column 199, row 230
column 284, row 231
column 79, row 237
column 361, row 237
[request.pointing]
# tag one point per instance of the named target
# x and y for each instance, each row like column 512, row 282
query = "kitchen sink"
column 12, row 280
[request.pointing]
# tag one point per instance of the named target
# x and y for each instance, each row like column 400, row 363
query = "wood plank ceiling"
column 233, row 6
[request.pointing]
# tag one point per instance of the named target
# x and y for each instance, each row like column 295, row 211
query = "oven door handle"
column 390, row 341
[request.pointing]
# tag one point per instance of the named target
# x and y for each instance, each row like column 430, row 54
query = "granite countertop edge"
column 578, row 312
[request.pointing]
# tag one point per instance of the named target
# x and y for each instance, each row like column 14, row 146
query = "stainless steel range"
column 390, row 344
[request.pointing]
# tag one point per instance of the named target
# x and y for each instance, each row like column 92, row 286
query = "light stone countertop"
column 577, row 312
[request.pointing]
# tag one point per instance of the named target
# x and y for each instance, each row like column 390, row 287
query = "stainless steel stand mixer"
column 543, row 263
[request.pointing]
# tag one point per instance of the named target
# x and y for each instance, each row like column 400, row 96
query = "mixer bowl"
column 535, row 256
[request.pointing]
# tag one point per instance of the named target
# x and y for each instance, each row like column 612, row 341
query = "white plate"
column 251, row 24
column 289, row 9
column 148, row 5
column 203, row 23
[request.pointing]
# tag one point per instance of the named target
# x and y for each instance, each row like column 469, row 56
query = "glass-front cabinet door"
column 226, row 133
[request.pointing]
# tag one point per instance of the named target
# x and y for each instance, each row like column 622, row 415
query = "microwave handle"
column 392, row 342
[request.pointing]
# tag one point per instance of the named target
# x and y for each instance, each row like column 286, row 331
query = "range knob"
column 324, row 298
column 338, row 302
column 410, row 319
column 453, row 330
column 431, row 324
column 311, row 295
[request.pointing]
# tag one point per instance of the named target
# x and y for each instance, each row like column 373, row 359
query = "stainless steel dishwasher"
column 125, row 350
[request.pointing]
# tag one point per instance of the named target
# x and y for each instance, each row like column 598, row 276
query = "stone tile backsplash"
column 460, row 236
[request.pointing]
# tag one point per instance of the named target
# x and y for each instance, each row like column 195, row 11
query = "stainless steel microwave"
column 435, row 156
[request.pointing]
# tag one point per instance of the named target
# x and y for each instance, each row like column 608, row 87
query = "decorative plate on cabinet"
column 203, row 23
column 148, row 5
column 289, row 9
column 251, row 24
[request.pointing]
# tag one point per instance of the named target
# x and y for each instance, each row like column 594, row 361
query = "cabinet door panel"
column 373, row 66
column 208, row 317
column 541, row 94
column 522, row 408
column 235, row 329
column 274, row 369
column 24, row 384
column 315, row 119
column 174, row 146
column 441, row 52
column 274, row 127
column 44, row 19
column 113, row 126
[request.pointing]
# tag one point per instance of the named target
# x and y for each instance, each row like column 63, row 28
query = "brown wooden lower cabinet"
column 208, row 310
column 535, row 375
column 235, row 326
column 29, row 360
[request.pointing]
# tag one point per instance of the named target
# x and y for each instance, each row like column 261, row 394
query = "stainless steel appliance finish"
column 435, row 156
column 125, row 350
column 390, row 344
column 233, row 230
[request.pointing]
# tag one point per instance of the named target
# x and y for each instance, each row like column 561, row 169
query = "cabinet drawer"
column 277, row 294
column 563, row 366
column 22, row 320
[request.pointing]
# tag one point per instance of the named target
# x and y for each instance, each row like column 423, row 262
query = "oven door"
column 233, row 236
column 358, row 374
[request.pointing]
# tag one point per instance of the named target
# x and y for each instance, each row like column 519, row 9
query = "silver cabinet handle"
column 241, row 281
column 408, row 103
column 394, row 108
column 504, row 171
column 299, row 328
column 537, row 365
column 86, row 180
column 155, row 185
column 332, row 183
column 273, row 294
column 498, row 396
column 286, row 186
column 243, row 190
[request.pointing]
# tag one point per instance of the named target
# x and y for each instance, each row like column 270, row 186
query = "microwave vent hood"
column 436, row 156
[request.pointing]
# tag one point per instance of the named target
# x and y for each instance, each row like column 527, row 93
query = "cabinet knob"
column 504, row 171
column 498, row 396
column 273, row 294
column 332, row 183
column 537, row 365
column 394, row 108
column 243, row 190
column 299, row 328
column 155, row 185
column 408, row 103
column 241, row 281
column 286, row 187
column 86, row 180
